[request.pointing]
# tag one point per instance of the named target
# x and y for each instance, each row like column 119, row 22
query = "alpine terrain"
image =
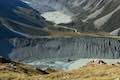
column 56, row 33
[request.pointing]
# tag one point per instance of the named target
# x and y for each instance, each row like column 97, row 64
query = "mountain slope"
column 88, row 15
column 17, row 19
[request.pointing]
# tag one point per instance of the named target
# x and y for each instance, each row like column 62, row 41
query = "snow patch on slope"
column 77, row 3
column 115, row 32
column 94, row 15
column 48, row 5
column 87, row 6
column 57, row 17
column 100, row 22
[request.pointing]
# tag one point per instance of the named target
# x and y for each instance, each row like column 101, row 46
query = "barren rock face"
column 88, row 15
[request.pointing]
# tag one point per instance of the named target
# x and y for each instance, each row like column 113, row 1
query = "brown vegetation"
column 95, row 70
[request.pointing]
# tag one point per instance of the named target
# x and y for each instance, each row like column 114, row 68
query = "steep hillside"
column 17, row 19
column 88, row 15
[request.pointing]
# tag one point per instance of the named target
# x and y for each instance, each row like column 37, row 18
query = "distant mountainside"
column 97, row 15
column 88, row 15
column 17, row 19
column 22, row 19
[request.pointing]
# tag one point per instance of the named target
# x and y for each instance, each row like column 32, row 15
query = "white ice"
column 57, row 17
column 100, row 22
column 71, row 65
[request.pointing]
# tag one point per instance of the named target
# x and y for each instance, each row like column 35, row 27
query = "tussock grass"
column 89, row 72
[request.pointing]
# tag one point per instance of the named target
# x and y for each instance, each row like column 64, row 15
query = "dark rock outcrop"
column 17, row 19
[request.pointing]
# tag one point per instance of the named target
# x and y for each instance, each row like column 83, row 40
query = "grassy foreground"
column 9, row 71
column 91, row 72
